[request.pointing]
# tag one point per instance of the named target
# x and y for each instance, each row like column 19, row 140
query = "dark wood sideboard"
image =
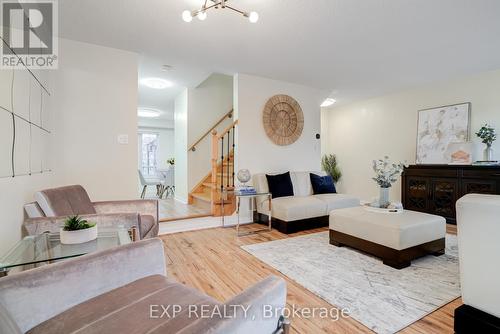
column 436, row 188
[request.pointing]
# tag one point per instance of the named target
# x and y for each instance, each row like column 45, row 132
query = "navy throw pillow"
column 322, row 184
column 280, row 185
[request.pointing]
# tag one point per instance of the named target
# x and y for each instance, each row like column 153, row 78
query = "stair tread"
column 202, row 196
column 207, row 198
column 226, row 202
column 212, row 185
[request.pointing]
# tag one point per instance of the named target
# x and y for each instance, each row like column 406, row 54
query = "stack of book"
column 248, row 190
column 486, row 163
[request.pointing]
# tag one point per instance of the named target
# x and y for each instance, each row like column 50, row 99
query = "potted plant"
column 386, row 174
column 488, row 135
column 77, row 230
column 171, row 161
column 330, row 166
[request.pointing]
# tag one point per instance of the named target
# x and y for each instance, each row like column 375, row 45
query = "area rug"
column 382, row 298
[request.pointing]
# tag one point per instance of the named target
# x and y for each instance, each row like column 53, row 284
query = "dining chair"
column 150, row 182
column 168, row 182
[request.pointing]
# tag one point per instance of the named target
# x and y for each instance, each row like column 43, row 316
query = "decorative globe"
column 243, row 175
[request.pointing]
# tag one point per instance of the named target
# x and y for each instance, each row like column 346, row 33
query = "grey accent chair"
column 120, row 290
column 53, row 206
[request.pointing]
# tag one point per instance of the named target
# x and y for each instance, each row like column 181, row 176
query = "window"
column 148, row 153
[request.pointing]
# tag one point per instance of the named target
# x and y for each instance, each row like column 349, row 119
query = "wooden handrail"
column 226, row 130
column 227, row 115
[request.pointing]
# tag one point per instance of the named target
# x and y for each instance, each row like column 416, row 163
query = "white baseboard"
column 201, row 223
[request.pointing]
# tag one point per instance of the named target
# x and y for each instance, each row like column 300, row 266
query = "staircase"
column 214, row 191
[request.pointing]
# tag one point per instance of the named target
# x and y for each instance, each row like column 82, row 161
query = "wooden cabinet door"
column 444, row 194
column 417, row 193
column 478, row 186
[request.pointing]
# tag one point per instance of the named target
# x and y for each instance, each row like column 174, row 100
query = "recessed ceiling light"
column 328, row 102
column 156, row 83
column 148, row 113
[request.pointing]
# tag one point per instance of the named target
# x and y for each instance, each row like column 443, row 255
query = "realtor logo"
column 28, row 33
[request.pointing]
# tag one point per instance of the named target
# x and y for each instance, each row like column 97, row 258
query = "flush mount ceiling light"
column 201, row 13
column 156, row 83
column 328, row 102
column 148, row 113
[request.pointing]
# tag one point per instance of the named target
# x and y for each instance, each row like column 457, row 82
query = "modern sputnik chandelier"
column 201, row 13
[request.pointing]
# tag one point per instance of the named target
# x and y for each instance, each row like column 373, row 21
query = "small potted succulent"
column 77, row 230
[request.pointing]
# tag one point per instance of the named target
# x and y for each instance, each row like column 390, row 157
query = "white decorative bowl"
column 78, row 237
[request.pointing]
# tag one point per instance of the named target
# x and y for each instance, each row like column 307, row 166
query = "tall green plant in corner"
column 330, row 165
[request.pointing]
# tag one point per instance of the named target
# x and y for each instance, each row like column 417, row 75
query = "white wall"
column 95, row 98
column 207, row 103
column 156, row 122
column 255, row 151
column 17, row 191
column 181, row 155
column 387, row 125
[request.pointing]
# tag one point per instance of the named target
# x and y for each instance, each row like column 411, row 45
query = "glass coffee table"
column 37, row 250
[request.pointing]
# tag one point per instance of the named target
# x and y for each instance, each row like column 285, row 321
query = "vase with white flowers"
column 386, row 174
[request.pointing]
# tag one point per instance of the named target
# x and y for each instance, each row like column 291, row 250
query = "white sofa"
column 478, row 226
column 303, row 210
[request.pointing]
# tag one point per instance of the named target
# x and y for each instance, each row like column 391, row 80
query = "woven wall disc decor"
column 283, row 119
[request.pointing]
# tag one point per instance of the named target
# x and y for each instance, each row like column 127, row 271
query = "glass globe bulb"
column 202, row 16
column 253, row 17
column 186, row 16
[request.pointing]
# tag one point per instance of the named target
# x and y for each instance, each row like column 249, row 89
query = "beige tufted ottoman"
column 396, row 238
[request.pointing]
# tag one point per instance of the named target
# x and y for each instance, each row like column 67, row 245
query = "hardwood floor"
column 171, row 209
column 212, row 261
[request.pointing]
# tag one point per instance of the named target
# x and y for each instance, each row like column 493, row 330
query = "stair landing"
column 171, row 210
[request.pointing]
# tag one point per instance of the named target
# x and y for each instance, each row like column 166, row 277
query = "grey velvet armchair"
column 52, row 206
column 125, row 290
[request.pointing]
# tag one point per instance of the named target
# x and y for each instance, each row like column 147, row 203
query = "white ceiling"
column 163, row 99
column 353, row 48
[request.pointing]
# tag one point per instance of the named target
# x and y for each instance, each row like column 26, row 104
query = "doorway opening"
column 158, row 140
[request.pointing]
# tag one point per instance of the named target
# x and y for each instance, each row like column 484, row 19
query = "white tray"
column 368, row 207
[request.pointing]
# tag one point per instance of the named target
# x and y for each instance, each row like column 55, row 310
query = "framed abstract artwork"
column 438, row 128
